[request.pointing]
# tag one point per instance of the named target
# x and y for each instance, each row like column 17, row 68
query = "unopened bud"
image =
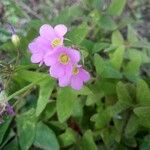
column 15, row 40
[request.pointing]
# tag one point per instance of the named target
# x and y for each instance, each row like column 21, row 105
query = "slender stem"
column 23, row 95
column 25, row 89
column 20, row 91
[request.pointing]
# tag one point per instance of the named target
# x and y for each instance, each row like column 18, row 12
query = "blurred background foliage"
column 112, row 111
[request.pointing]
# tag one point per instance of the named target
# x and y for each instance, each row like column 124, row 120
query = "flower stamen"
column 75, row 71
column 56, row 42
column 64, row 59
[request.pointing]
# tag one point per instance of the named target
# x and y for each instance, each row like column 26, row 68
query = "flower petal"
column 64, row 81
column 84, row 75
column 50, row 59
column 36, row 58
column 47, row 32
column 57, row 70
column 33, row 47
column 39, row 45
column 74, row 55
column 76, row 83
column 60, row 29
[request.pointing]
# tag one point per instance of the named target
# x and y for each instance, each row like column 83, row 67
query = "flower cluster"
column 48, row 48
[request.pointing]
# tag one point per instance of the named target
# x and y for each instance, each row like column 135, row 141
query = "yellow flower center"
column 64, row 59
column 56, row 42
column 75, row 71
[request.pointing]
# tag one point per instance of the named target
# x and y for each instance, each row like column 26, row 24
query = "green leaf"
column 131, row 142
column 141, row 44
column 88, row 44
column 99, row 47
column 131, row 53
column 117, row 57
column 13, row 145
column 65, row 103
column 66, row 16
column 78, row 34
column 7, row 138
column 107, row 86
column 84, row 91
column 145, row 144
column 95, row 16
column 110, row 72
column 107, row 23
column 46, row 84
column 84, row 54
column 32, row 33
column 45, row 138
column 91, row 99
column 142, row 111
column 26, row 127
column 124, row 100
column 96, row 4
column 123, row 94
column 3, row 128
column 58, row 126
column 131, row 70
column 78, row 109
column 101, row 119
column 117, row 38
column 132, row 35
column 49, row 111
column 132, row 126
column 31, row 76
column 109, row 135
column 46, row 87
column 88, row 141
column 104, row 68
column 143, row 93
column 116, row 7
column 110, row 48
column 143, row 114
column 35, row 23
column 117, row 108
column 99, row 64
column 67, row 138
column 20, row 91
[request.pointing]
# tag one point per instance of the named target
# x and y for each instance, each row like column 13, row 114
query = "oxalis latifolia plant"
column 76, row 83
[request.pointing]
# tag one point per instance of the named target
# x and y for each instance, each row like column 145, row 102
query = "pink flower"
column 49, row 39
column 76, row 80
column 61, row 61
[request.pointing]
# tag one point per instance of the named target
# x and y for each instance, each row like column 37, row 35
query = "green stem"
column 20, row 91
column 24, row 89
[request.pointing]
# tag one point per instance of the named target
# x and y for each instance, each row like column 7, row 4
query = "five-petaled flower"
column 77, row 78
column 48, row 39
column 61, row 61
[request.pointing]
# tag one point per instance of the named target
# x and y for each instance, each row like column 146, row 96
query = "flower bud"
column 15, row 40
